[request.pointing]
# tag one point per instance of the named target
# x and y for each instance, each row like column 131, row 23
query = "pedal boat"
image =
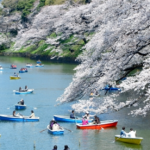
column 136, row 140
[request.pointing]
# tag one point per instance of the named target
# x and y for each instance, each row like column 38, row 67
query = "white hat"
column 87, row 112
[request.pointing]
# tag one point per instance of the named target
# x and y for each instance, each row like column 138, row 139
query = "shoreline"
column 41, row 57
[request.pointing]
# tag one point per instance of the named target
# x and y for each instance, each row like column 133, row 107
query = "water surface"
column 49, row 83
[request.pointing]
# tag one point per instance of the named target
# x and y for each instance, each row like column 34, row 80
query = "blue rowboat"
column 18, row 118
column 20, row 107
column 38, row 62
column 68, row 119
column 39, row 65
column 55, row 132
column 24, row 92
column 23, row 70
column 111, row 88
column 29, row 66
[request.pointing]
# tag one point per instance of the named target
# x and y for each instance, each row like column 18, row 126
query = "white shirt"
column 55, row 127
column 132, row 134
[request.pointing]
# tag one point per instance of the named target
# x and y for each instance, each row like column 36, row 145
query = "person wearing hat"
column 72, row 116
column 87, row 115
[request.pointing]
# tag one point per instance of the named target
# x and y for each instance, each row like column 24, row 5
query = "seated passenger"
column 14, row 114
column 132, row 133
column 96, row 120
column 123, row 133
column 72, row 115
column 32, row 114
column 55, row 126
column 84, row 121
column 20, row 90
column 26, row 88
column 51, row 123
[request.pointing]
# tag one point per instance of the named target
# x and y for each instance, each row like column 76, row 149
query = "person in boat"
column 132, row 133
column 14, row 114
column 55, row 126
column 123, row 133
column 26, row 88
column 15, row 75
column 96, row 92
column 87, row 115
column 66, row 147
column 84, row 121
column 55, row 147
column 72, row 115
column 32, row 114
column 51, row 123
column 20, row 90
column 96, row 120
column 21, row 102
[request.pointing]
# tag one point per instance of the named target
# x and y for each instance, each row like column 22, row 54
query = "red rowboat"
column 103, row 124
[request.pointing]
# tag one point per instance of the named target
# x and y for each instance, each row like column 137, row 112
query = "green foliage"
column 3, row 47
column 53, row 35
column 66, row 40
column 42, row 46
column 49, row 2
column 42, row 3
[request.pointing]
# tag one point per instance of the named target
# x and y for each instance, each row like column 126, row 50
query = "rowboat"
column 23, row 70
column 18, row 118
column 39, row 65
column 13, row 67
column 111, row 88
column 136, row 140
column 24, row 92
column 14, row 78
column 29, row 66
column 103, row 124
column 38, row 62
column 20, row 107
column 68, row 119
column 55, row 132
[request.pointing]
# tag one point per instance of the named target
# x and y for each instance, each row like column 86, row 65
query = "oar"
column 68, row 129
column 43, row 130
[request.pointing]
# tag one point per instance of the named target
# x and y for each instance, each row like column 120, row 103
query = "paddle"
column 43, row 130
column 68, row 129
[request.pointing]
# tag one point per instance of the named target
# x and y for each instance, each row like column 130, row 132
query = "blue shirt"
column 123, row 133
column 72, row 115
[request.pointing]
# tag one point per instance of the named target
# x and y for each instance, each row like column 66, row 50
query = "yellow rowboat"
column 14, row 78
column 136, row 140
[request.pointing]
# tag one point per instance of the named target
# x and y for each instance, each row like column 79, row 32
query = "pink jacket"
column 84, row 122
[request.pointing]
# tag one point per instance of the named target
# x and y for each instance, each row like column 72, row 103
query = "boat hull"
column 67, row 119
column 59, row 132
column 26, row 92
column 112, row 89
column 18, row 119
column 20, row 107
column 104, row 124
column 136, row 140
column 39, row 66
column 29, row 66
column 14, row 78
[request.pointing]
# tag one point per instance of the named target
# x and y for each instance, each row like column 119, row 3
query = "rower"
column 26, row 88
column 72, row 116
column 51, row 123
column 96, row 120
column 55, row 126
